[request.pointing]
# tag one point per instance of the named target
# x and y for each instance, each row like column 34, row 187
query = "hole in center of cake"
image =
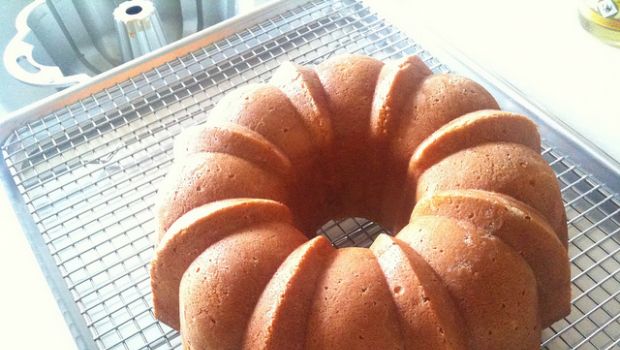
column 352, row 232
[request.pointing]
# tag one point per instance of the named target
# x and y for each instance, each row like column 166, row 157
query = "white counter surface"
column 539, row 47
column 31, row 318
column 536, row 45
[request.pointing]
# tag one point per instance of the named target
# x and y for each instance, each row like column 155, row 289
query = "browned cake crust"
column 192, row 234
column 233, row 139
column 429, row 316
column 439, row 99
column 493, row 287
column 266, row 110
column 280, row 318
column 474, row 129
column 303, row 88
column 480, row 263
column 508, row 168
column 222, row 286
column 396, row 85
column 520, row 227
column 208, row 177
column 352, row 306
column 349, row 83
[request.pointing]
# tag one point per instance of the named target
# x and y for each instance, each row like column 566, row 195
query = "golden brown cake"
column 478, row 259
column 280, row 317
column 520, row 227
column 493, row 287
column 429, row 317
column 220, row 289
column 192, row 234
column 352, row 305
column 508, row 168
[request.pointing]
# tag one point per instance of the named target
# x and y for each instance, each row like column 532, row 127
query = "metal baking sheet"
column 83, row 167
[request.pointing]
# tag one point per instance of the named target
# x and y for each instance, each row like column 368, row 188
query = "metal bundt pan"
column 82, row 166
column 62, row 42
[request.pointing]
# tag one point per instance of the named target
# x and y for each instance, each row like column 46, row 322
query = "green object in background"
column 602, row 19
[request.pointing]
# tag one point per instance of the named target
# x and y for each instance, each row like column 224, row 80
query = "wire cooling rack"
column 84, row 177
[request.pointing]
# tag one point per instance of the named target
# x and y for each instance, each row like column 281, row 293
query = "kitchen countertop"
column 31, row 317
column 538, row 46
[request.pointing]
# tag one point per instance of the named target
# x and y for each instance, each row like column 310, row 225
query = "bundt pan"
column 489, row 236
column 61, row 43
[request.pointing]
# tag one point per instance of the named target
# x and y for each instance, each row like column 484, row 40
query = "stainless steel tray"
column 82, row 169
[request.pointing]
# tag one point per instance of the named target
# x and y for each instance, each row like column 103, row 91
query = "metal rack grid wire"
column 88, row 172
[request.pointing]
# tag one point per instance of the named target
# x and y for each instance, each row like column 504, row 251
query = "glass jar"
column 602, row 19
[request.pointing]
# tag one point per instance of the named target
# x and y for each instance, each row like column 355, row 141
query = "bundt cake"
column 478, row 259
